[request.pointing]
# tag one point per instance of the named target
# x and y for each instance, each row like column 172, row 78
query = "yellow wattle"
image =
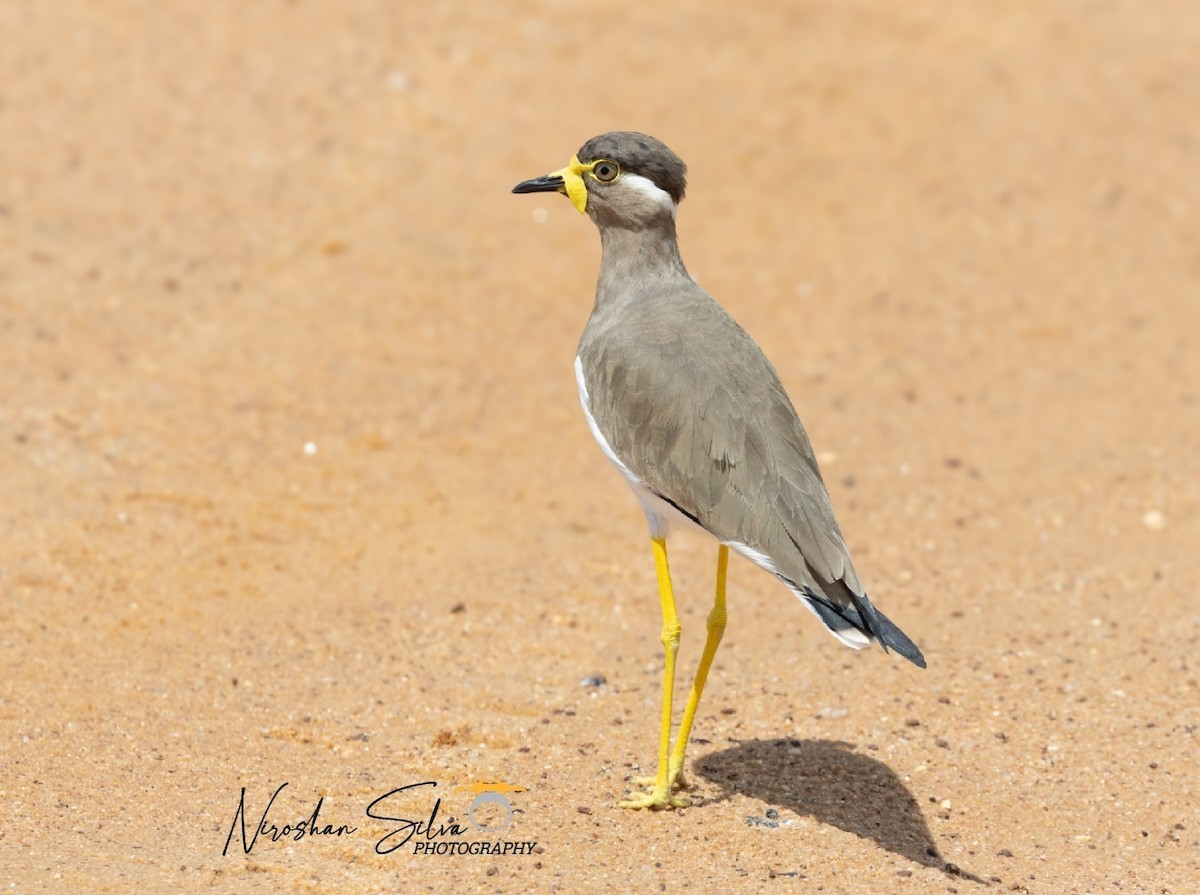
column 572, row 176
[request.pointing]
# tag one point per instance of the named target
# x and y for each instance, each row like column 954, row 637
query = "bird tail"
column 855, row 622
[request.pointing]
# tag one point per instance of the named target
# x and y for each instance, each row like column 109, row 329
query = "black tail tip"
column 913, row 655
column 889, row 636
column 885, row 631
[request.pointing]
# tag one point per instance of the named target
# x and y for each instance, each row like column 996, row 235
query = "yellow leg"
column 716, row 628
column 660, row 791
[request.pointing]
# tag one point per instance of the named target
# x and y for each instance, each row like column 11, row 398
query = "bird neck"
column 639, row 255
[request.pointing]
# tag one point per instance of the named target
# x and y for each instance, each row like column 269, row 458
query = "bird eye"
column 606, row 172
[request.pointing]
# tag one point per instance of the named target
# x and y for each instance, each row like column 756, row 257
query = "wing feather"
column 700, row 415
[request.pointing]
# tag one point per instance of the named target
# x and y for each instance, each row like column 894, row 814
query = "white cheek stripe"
column 648, row 187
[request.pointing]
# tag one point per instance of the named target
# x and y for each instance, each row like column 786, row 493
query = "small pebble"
column 593, row 680
column 1154, row 520
column 310, row 448
column 756, row 821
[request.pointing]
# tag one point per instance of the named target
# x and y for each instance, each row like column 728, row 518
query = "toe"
column 656, row 799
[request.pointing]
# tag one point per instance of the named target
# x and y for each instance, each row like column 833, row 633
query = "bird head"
column 621, row 178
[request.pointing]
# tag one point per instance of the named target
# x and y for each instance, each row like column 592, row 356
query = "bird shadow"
column 826, row 780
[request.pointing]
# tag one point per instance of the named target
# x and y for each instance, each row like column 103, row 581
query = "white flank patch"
column 759, row 559
column 648, row 187
column 659, row 514
column 852, row 637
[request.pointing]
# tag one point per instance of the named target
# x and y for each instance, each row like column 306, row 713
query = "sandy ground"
column 296, row 488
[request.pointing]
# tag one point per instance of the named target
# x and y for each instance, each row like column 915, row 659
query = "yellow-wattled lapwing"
column 687, row 407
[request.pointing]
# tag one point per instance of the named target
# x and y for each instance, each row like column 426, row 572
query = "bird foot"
column 656, row 799
column 675, row 778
